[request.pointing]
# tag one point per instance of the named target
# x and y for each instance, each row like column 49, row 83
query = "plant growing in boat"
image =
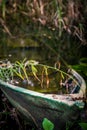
column 31, row 71
column 6, row 71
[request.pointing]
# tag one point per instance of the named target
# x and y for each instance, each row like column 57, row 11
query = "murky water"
column 15, row 53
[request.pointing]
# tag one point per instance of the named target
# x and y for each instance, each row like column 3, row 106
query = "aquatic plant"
column 20, row 70
column 6, row 71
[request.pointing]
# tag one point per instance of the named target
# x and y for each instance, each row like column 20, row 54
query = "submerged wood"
column 35, row 106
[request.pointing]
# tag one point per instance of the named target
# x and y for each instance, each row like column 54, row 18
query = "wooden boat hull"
column 60, row 109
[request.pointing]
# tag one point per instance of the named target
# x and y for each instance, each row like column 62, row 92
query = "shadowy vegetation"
column 63, row 16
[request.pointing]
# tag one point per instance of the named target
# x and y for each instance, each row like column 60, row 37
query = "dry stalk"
column 5, row 27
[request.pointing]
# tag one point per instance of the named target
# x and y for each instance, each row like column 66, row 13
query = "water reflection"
column 15, row 53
